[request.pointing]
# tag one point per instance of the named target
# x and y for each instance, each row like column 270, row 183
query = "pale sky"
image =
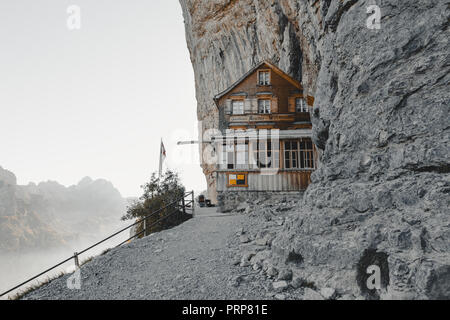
column 96, row 101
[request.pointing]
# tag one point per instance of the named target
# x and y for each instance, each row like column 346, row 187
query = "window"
column 300, row 105
column 264, row 106
column 299, row 154
column 229, row 149
column 238, row 107
column 264, row 78
column 290, row 154
column 235, row 155
column 242, row 155
column 306, row 154
column 266, row 155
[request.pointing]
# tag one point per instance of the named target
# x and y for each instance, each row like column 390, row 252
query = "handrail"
column 154, row 223
column 75, row 256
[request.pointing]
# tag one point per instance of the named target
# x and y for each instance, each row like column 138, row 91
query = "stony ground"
column 212, row 256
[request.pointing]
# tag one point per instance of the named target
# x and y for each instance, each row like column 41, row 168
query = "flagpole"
column 160, row 159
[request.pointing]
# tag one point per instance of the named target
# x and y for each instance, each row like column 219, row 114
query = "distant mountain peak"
column 85, row 181
column 7, row 177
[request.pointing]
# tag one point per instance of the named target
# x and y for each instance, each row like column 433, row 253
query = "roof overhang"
column 253, row 69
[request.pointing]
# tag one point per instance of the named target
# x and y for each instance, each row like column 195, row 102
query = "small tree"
column 159, row 193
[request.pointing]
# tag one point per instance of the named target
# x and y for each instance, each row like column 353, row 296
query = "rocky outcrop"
column 20, row 227
column 50, row 215
column 381, row 193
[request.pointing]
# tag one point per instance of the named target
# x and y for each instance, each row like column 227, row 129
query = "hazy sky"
column 96, row 101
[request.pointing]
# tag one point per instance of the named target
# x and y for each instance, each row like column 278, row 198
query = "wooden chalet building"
column 265, row 143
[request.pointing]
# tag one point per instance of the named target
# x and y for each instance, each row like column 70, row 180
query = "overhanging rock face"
column 381, row 192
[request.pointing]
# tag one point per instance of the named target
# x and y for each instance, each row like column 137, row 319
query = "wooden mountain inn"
column 265, row 142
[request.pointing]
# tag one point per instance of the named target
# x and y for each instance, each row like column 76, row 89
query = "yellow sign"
column 237, row 180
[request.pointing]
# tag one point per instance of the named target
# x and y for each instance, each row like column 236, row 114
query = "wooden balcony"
column 254, row 118
column 280, row 118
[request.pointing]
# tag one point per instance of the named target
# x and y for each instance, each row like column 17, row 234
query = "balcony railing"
column 279, row 117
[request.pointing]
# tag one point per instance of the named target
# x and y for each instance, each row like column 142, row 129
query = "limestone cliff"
column 50, row 215
column 381, row 193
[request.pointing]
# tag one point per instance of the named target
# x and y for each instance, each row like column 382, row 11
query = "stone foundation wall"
column 238, row 200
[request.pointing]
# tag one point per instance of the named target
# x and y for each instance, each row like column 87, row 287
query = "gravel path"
column 191, row 261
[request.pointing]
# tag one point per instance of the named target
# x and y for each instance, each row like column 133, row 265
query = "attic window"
column 264, row 77
column 300, row 105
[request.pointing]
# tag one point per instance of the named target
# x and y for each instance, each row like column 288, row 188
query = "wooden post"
column 77, row 262
column 145, row 227
column 183, row 205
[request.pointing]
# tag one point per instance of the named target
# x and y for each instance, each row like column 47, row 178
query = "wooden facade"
column 266, row 142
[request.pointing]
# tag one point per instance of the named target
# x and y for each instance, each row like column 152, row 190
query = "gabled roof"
column 252, row 70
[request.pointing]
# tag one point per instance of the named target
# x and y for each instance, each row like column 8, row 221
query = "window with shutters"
column 238, row 107
column 264, row 77
column 300, row 105
column 263, row 106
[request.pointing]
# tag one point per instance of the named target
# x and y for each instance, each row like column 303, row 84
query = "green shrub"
column 159, row 193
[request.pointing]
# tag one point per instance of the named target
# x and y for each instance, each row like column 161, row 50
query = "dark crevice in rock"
column 282, row 23
column 255, row 45
column 334, row 87
column 294, row 258
column 445, row 168
column 333, row 24
column 424, row 240
column 325, row 7
column 320, row 130
column 296, row 57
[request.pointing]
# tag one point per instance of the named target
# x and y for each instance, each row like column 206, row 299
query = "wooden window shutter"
column 291, row 107
column 310, row 101
column 254, row 104
column 274, row 105
column 228, row 106
column 247, row 106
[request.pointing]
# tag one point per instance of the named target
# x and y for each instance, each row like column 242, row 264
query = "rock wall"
column 381, row 193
